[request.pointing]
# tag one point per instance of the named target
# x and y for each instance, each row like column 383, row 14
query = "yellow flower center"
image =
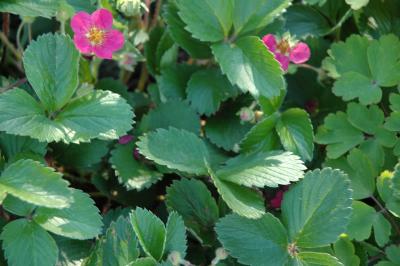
column 95, row 36
column 283, row 47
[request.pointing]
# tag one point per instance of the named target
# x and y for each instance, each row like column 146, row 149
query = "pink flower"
column 276, row 201
column 94, row 33
column 125, row 139
column 285, row 53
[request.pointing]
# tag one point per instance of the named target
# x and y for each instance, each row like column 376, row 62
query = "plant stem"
column 144, row 75
column 19, row 32
column 387, row 214
column 156, row 14
column 10, row 46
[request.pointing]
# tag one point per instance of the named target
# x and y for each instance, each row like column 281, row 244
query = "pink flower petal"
column 114, row 40
column 283, row 60
column 277, row 200
column 82, row 44
column 300, row 53
column 81, row 22
column 125, row 139
column 102, row 19
column 270, row 41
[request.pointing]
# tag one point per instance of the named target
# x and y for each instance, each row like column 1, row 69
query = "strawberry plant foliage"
column 199, row 132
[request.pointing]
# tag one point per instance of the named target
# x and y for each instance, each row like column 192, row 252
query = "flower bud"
column 129, row 8
column 64, row 12
column 246, row 114
column 221, row 254
column 175, row 258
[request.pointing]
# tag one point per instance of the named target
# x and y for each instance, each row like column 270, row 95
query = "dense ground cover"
column 199, row 132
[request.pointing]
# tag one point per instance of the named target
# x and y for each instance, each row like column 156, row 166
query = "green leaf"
column 338, row 134
column 254, row 17
column 296, row 133
column 207, row 20
column 303, row 21
column 81, row 220
column 71, row 252
column 193, row 201
column 120, row 247
column 150, row 231
column 244, row 201
column 225, row 129
column 176, row 235
column 181, row 36
column 383, row 58
column 261, row 136
column 144, row 262
column 249, row 65
column 263, row 169
column 207, row 89
column 131, row 173
column 32, row 182
column 382, row 230
column 365, row 119
column 100, row 114
column 51, row 64
column 252, row 241
column 173, row 113
column 189, row 153
column 317, row 210
column 17, row 206
column 361, row 221
column 345, row 252
column 318, row 259
column 30, row 8
column 11, row 145
column 26, row 243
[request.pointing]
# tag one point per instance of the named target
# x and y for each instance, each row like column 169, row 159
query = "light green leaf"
column 357, row 4
column 131, row 173
column 366, row 119
column 249, row 65
column 254, row 17
column 189, row 153
column 251, row 241
column 173, row 113
column 176, row 28
column 317, row 259
column 296, row 133
column 207, row 20
column 120, row 247
column 338, row 134
column 32, row 182
column 17, row 206
column 81, row 220
column 317, row 210
column 207, row 89
column 382, row 229
column 384, row 60
column 263, row 169
column 51, row 64
column 26, row 243
column 30, row 8
column 361, row 221
column 244, row 201
column 345, row 252
column 176, row 235
column 193, row 201
column 99, row 114
column 150, row 231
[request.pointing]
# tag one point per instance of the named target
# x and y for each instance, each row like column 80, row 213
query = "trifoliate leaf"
column 361, row 221
column 150, row 232
column 263, row 169
column 181, row 36
column 251, row 241
column 176, row 235
column 244, row 201
column 100, row 114
column 34, row 183
column 366, row 119
column 51, row 65
column 338, row 134
column 26, row 243
column 193, row 201
column 207, row 20
column 188, row 155
column 295, row 131
column 207, row 89
column 81, row 220
column 317, row 210
column 248, row 19
column 249, row 65
column 174, row 113
column 131, row 173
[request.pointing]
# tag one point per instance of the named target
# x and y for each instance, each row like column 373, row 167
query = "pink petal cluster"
column 94, row 33
column 125, row 139
column 276, row 201
column 284, row 53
